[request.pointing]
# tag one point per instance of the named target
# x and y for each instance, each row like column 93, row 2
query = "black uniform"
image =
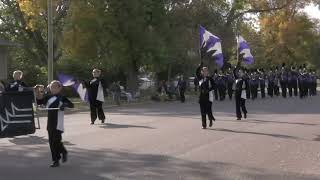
column 293, row 82
column 246, row 77
column 314, row 84
column 16, row 85
column 262, row 84
column 276, row 83
column 196, row 84
column 182, row 85
column 55, row 125
column 241, row 87
column 230, row 81
column 302, row 84
column 254, row 85
column 284, row 83
column 95, row 105
column 309, row 84
column 221, row 85
column 271, row 83
column 206, row 85
column 215, row 88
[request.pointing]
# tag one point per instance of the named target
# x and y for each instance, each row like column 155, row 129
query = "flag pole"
column 50, row 41
column 237, row 40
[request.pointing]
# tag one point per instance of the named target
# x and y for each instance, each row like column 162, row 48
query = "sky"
column 313, row 11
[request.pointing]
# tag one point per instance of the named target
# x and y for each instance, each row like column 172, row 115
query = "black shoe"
column 210, row 125
column 245, row 115
column 55, row 164
column 102, row 121
column 92, row 122
column 214, row 119
column 238, row 119
column 64, row 157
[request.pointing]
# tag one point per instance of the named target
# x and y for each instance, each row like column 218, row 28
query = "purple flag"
column 211, row 44
column 67, row 80
column 244, row 50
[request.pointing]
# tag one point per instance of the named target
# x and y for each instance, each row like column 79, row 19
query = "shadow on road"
column 33, row 140
column 107, row 164
column 317, row 138
column 256, row 133
column 121, row 126
column 281, row 122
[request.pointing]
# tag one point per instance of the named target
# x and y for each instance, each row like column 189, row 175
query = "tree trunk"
column 132, row 77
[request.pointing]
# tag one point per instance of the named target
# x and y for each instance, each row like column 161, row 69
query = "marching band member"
column 56, row 103
column 206, row 84
column 241, row 87
column 17, row 84
column 96, row 89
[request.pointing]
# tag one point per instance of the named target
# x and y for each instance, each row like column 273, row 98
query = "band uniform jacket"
column 206, row 85
column 55, row 117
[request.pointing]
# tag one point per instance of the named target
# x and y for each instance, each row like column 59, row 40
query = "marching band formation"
column 239, row 82
column 285, row 82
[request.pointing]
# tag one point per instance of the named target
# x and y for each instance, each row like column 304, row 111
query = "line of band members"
column 300, row 82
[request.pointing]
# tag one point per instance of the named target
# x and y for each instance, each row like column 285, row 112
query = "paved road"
column 279, row 140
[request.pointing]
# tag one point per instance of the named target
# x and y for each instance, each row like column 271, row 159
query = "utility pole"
column 50, row 42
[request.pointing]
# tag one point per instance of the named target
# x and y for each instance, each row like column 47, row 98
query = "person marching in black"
column 215, row 88
column 230, row 81
column 206, row 84
column 56, row 103
column 17, row 84
column 196, row 84
column 309, row 83
column 314, row 83
column 241, row 88
column 262, row 83
column 221, row 85
column 182, row 86
column 293, row 82
column 276, row 82
column 247, row 77
column 302, row 83
column 284, row 81
column 96, row 88
column 271, row 83
column 254, row 85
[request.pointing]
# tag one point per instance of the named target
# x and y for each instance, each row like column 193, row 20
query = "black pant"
column 97, row 111
column 254, row 91
column 293, row 88
column 240, row 105
column 276, row 90
column 215, row 90
column 206, row 109
column 56, row 146
column 230, row 91
column 182, row 96
column 222, row 92
column 314, row 89
column 263, row 91
column 284, row 89
column 270, row 89
column 303, row 89
column 248, row 92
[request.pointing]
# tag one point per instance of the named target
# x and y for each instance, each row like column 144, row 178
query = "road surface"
column 280, row 140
